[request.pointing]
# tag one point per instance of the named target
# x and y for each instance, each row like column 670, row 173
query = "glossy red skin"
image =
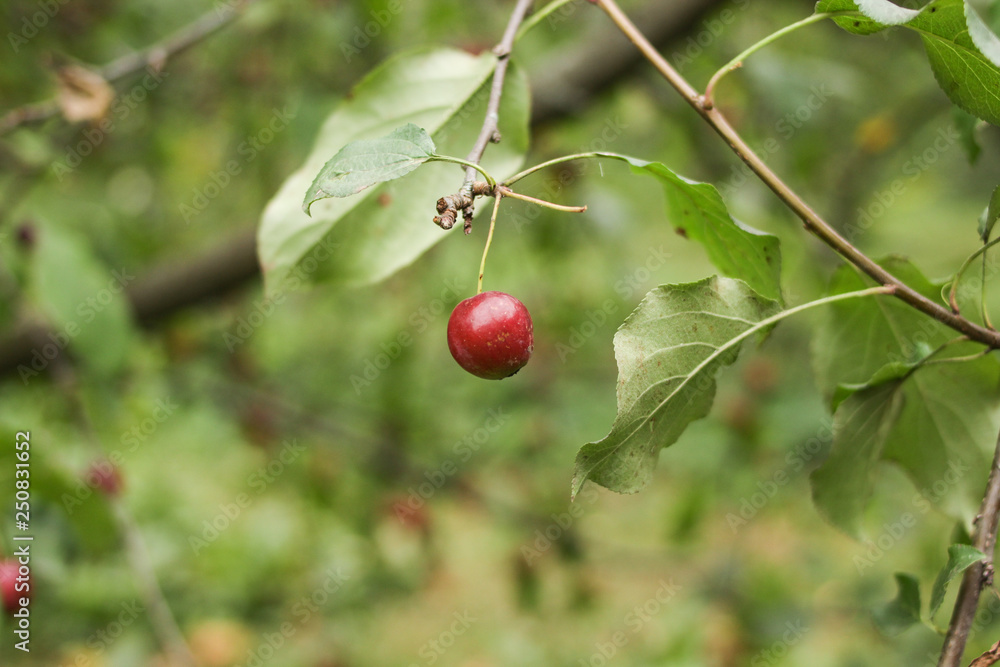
column 491, row 335
column 10, row 597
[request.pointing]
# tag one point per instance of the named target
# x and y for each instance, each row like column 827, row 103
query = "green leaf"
column 362, row 164
column 885, row 12
column 859, row 24
column 948, row 420
column 873, row 332
column 367, row 237
column 902, row 611
column 83, row 300
column 964, row 54
column 891, row 371
column 842, row 487
column 989, row 217
column 668, row 351
column 698, row 212
column 960, row 557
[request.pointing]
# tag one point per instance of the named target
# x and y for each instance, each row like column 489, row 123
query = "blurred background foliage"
column 359, row 499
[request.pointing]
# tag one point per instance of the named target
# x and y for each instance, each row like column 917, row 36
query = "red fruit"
column 9, row 596
column 490, row 335
column 105, row 476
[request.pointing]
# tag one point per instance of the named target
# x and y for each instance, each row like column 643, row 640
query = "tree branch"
column 812, row 220
column 979, row 574
column 557, row 91
column 448, row 207
column 489, row 133
column 569, row 81
column 153, row 56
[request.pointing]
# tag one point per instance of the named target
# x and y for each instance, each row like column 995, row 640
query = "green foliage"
column 364, row 380
column 963, row 52
column 669, row 351
column 902, row 611
column 960, row 558
column 362, row 164
column 697, row 212
column 369, row 236
column 933, row 420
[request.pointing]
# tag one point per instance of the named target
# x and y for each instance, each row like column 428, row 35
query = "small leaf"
column 365, row 238
column 902, row 611
column 960, row 557
column 698, row 212
column 989, row 217
column 668, row 351
column 361, row 164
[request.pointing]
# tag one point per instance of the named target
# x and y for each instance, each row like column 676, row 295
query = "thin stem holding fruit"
column 737, row 62
column 489, row 241
column 812, row 220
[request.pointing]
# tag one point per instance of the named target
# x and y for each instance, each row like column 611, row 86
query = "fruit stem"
column 489, row 241
column 507, row 192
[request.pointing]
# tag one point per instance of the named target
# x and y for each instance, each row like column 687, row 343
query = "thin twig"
column 160, row 615
column 977, row 576
column 153, row 56
column 812, row 220
column 489, row 132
